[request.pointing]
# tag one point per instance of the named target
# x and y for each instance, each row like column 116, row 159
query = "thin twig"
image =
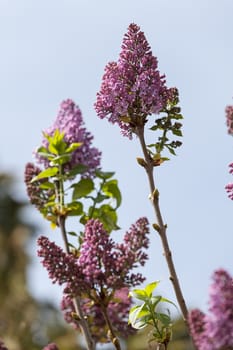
column 161, row 226
column 112, row 336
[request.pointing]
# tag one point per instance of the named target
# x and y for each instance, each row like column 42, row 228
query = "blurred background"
column 53, row 50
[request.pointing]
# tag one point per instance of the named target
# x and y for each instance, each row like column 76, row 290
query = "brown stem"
column 111, row 332
column 161, row 226
column 76, row 301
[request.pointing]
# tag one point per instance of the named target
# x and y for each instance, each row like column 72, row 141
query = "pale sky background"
column 53, row 49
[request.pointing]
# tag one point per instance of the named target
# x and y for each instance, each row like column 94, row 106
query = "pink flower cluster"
column 69, row 120
column 215, row 330
column 102, row 271
column 132, row 87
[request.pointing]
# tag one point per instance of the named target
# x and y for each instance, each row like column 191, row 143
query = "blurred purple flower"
column 69, row 120
column 2, row 345
column 229, row 116
column 51, row 346
column 132, row 88
column 215, row 330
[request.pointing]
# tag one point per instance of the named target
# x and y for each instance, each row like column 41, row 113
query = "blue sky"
column 53, row 50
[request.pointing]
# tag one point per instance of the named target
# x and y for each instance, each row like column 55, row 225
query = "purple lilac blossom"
column 109, row 265
column 132, row 88
column 215, row 330
column 101, row 272
column 229, row 116
column 101, row 263
column 69, row 120
column 62, row 267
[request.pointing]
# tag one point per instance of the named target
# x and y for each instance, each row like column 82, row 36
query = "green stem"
column 162, row 227
column 151, row 309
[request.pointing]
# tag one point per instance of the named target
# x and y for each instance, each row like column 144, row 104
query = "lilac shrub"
column 96, row 272
column 214, row 331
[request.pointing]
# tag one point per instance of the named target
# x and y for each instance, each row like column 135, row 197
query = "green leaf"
column 61, row 159
column 139, row 316
column 105, row 175
column 107, row 215
column 133, row 313
column 49, row 172
column 73, row 147
column 165, row 300
column 110, row 188
column 78, row 169
column 154, row 127
column 82, row 188
column 75, row 208
column 100, row 198
column 151, row 287
column 139, row 294
column 163, row 318
column 155, row 300
column 171, row 150
column 177, row 116
column 177, row 132
column 47, row 186
column 72, row 233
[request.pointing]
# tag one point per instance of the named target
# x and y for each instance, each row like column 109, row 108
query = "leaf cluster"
column 147, row 313
column 169, row 124
column 101, row 194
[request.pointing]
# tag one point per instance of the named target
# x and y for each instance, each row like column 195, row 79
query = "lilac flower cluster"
column 229, row 187
column 101, row 272
column 132, row 88
column 215, row 331
column 62, row 267
column 229, row 116
column 69, row 120
column 109, row 265
column 101, row 263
